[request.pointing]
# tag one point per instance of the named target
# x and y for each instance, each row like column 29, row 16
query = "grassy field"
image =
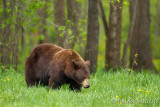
column 107, row 89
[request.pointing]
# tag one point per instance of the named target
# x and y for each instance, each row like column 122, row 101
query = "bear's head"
column 81, row 73
column 77, row 69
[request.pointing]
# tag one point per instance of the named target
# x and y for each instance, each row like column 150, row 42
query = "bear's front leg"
column 54, row 84
column 75, row 87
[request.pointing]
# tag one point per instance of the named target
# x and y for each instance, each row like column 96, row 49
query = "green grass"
column 103, row 91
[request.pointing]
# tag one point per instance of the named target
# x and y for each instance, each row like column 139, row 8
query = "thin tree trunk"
column 91, row 51
column 105, row 24
column 1, row 22
column 18, row 28
column 73, row 8
column 118, row 31
column 59, row 19
column 85, row 10
column 140, row 43
column 5, row 33
column 133, row 10
column 22, row 39
column 83, row 17
column 42, row 25
column 157, row 29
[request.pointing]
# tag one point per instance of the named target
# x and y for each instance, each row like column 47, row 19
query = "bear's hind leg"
column 31, row 80
column 32, row 83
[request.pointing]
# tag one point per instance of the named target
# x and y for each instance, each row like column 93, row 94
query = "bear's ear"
column 88, row 63
column 75, row 64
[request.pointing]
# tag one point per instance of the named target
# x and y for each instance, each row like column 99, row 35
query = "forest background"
column 111, row 34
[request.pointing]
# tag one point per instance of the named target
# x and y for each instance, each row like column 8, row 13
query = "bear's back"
column 46, row 49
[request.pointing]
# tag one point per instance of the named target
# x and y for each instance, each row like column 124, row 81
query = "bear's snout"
column 85, row 83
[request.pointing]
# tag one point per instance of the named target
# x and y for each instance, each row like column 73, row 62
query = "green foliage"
column 62, row 34
column 39, row 37
column 6, row 68
column 81, row 39
column 30, row 22
column 68, row 22
column 111, row 88
column 126, row 4
column 112, row 1
column 62, row 28
column 69, row 31
column 80, row 1
column 156, row 64
column 118, row 1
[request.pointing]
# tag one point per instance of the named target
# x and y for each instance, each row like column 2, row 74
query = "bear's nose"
column 87, row 86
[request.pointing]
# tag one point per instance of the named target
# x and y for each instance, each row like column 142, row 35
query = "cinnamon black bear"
column 54, row 66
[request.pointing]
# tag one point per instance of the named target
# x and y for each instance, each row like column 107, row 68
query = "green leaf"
column 69, row 31
column 3, row 25
column 72, row 24
column 8, row 3
column 70, row 41
column 8, row 10
column 1, row 10
column 112, row 2
column 42, row 37
column 136, row 55
column 79, row 1
column 67, row 22
column 62, row 28
column 126, row 4
column 72, row 37
column 61, row 35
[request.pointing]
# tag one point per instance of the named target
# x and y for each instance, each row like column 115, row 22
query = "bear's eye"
column 83, row 78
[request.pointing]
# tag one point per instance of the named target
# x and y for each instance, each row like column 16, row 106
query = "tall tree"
column 59, row 19
column 91, row 51
column 42, row 30
column 118, row 31
column 111, row 52
column 113, row 33
column 17, row 34
column 5, row 31
column 74, row 13
column 11, row 20
column 133, row 10
column 140, row 42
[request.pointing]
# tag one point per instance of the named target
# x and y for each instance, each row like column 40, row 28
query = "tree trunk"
column 91, row 51
column 111, row 49
column 118, row 31
column 157, row 30
column 73, row 8
column 133, row 10
column 42, row 25
column 18, row 28
column 140, row 43
column 113, row 33
column 6, row 33
column 5, row 52
column 59, row 19
column 105, row 24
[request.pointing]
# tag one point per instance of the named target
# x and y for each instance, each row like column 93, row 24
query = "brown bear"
column 54, row 66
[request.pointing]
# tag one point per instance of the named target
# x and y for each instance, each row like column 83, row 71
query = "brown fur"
column 54, row 66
